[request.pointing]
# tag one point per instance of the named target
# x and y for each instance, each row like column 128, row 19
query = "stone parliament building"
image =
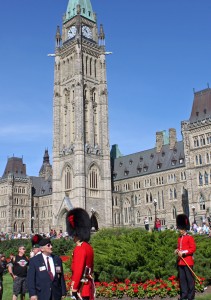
column 171, row 178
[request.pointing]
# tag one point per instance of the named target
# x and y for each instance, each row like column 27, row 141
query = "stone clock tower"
column 81, row 152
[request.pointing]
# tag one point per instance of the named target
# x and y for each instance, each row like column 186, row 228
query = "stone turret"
column 46, row 168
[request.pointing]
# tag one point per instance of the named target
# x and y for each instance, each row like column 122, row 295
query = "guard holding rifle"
column 185, row 249
column 79, row 227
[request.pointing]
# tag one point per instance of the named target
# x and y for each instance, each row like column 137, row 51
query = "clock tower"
column 81, row 151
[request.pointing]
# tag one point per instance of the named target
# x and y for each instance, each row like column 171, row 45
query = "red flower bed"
column 149, row 289
column 64, row 258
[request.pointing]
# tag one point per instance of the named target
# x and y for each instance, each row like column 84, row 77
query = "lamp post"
column 155, row 202
column 194, row 214
column 32, row 224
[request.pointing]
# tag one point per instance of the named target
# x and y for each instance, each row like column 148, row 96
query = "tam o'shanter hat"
column 78, row 224
column 183, row 222
column 36, row 240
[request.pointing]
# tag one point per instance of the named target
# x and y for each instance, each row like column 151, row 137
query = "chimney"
column 159, row 141
column 172, row 138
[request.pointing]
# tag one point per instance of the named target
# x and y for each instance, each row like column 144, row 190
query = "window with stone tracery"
column 68, row 178
column 202, row 202
column 94, row 181
column 138, row 217
column 22, row 227
column 149, row 214
column 174, row 213
column 127, row 211
column 15, row 227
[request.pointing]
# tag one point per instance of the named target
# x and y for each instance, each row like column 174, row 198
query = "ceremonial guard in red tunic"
column 185, row 249
column 79, row 227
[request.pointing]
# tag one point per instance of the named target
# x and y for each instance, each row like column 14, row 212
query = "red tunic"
column 187, row 245
column 83, row 256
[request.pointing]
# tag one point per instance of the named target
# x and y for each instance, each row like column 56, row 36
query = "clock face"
column 71, row 32
column 86, row 31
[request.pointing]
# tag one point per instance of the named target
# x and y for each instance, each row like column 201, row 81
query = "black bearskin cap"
column 44, row 242
column 183, row 222
column 78, row 224
column 36, row 240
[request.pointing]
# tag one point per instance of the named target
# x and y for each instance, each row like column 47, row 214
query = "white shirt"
column 50, row 262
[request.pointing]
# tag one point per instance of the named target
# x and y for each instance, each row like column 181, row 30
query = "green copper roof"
column 86, row 9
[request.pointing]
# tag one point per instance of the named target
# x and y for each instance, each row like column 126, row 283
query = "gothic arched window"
column 174, row 213
column 206, row 180
column 138, row 217
column 202, row 202
column 15, row 227
column 149, row 214
column 175, row 193
column 94, row 181
column 22, row 227
column 127, row 211
column 200, row 179
column 68, row 178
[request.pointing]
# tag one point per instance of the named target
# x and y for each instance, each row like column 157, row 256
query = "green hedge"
column 60, row 246
column 130, row 253
column 139, row 255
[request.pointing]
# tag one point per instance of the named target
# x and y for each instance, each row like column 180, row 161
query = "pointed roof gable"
column 201, row 108
column 86, row 9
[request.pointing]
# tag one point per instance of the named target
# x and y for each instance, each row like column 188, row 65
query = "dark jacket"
column 39, row 282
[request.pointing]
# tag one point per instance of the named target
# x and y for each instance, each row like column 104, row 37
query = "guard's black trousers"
column 187, row 283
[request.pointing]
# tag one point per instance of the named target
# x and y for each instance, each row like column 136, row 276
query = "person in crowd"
column 45, row 275
column 146, row 223
column 35, row 245
column 18, row 270
column 3, row 262
column 157, row 224
column 79, row 228
column 2, row 270
column 185, row 249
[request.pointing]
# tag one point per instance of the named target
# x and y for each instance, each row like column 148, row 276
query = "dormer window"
column 114, row 175
column 163, row 154
column 145, row 168
column 120, row 164
column 173, row 162
column 131, row 161
column 126, row 172
column 152, row 156
column 141, row 158
column 181, row 160
column 159, row 165
column 138, row 170
column 175, row 150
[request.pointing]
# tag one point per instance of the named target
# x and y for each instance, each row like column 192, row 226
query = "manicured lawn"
column 7, row 286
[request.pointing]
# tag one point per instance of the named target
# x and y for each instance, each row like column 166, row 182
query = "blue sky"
column 161, row 51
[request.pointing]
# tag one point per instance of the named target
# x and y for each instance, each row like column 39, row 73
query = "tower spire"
column 86, row 10
column 58, row 37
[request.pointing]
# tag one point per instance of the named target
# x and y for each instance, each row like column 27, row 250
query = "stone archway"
column 61, row 225
column 64, row 208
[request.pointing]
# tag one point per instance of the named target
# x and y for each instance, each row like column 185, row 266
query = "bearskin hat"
column 78, row 224
column 183, row 222
column 36, row 240
column 44, row 242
